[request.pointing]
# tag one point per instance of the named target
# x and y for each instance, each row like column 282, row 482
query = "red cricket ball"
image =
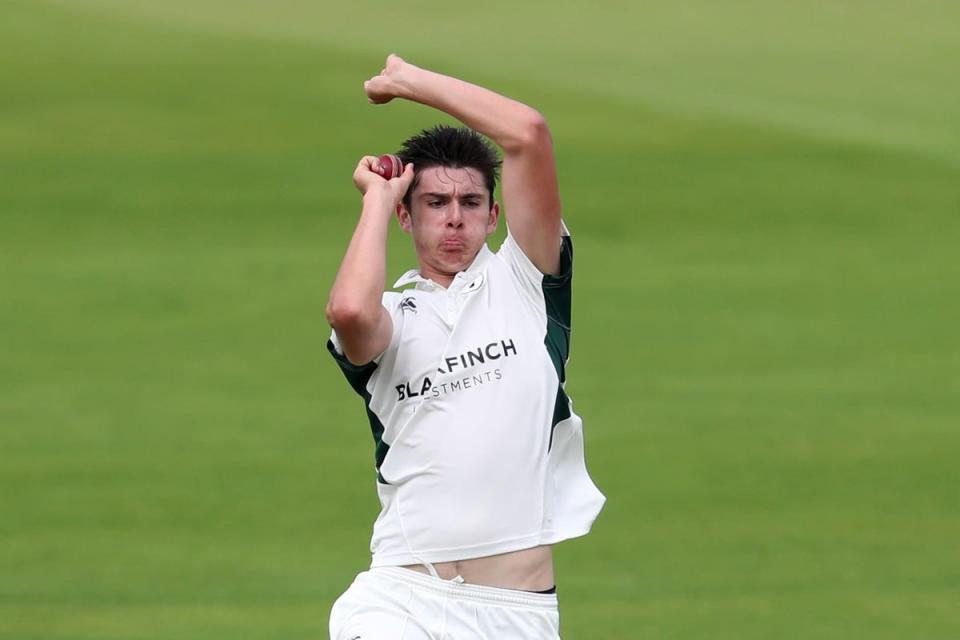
column 390, row 166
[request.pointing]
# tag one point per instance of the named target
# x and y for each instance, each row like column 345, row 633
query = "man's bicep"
column 531, row 199
column 363, row 344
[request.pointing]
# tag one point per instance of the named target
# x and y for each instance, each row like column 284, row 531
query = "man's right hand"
column 367, row 180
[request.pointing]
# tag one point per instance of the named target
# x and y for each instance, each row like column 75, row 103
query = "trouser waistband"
column 477, row 593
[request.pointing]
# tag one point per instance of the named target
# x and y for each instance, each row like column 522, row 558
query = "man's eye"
column 473, row 203
column 434, row 203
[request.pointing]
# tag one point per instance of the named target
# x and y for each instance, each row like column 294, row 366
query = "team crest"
column 408, row 304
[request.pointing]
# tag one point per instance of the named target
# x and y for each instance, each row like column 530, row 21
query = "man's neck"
column 442, row 278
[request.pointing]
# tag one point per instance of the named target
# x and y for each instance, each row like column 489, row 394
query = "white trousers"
column 392, row 603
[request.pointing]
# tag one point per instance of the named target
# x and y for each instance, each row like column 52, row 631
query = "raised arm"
column 355, row 308
column 531, row 198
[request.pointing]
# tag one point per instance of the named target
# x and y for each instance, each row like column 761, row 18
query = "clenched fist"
column 386, row 86
column 367, row 179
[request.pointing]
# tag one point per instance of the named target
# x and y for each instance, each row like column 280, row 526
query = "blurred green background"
column 765, row 201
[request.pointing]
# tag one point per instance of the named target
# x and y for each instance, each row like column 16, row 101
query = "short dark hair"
column 454, row 147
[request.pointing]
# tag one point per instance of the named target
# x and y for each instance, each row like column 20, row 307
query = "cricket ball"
column 390, row 166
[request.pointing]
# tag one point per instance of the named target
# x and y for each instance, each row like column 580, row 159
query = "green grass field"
column 765, row 201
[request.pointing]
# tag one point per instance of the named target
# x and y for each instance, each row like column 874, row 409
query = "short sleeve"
column 356, row 375
column 525, row 271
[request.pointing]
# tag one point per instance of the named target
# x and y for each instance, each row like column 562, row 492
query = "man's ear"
column 405, row 218
column 493, row 217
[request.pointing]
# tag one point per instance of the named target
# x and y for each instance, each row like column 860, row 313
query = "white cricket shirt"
column 478, row 451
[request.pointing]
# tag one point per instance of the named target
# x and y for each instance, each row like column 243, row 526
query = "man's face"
column 450, row 220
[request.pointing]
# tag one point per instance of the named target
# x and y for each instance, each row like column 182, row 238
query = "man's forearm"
column 509, row 123
column 358, row 288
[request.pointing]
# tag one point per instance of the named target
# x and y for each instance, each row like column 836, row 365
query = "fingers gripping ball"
column 389, row 166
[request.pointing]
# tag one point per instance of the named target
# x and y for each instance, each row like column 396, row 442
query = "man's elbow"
column 354, row 326
column 532, row 131
column 348, row 316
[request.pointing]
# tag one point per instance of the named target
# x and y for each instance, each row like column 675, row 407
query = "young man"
column 479, row 455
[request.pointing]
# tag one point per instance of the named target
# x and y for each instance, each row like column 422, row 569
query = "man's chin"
column 454, row 261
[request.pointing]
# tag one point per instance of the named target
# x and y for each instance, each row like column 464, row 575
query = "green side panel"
column 557, row 299
column 561, row 411
column 358, row 376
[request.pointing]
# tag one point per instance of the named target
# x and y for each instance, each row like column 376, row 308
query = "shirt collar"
column 413, row 276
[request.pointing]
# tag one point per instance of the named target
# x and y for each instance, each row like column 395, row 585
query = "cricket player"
column 479, row 455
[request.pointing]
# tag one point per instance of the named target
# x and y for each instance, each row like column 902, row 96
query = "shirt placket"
column 452, row 306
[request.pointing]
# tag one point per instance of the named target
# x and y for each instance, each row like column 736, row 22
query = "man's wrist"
column 377, row 200
column 405, row 84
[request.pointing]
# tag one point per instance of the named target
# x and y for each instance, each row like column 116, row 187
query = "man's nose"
column 454, row 215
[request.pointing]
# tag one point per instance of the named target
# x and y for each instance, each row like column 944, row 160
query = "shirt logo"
column 463, row 364
column 473, row 286
column 408, row 304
